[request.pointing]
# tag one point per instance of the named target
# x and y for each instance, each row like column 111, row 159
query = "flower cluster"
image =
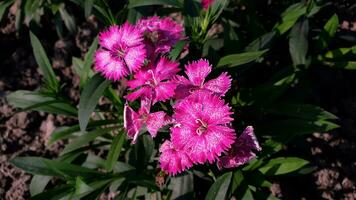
column 201, row 124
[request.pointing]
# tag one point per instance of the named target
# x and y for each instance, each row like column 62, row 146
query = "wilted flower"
column 202, row 126
column 153, row 82
column 134, row 122
column 197, row 72
column 160, row 34
column 241, row 151
column 173, row 160
column 122, row 51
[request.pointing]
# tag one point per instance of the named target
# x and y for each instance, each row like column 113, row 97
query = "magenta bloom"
column 160, row 34
column 173, row 160
column 206, row 3
column 202, row 126
column 241, row 151
column 197, row 72
column 133, row 122
column 154, row 83
column 122, row 51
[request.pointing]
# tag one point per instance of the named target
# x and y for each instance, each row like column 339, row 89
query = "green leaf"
column 220, row 188
column 115, row 150
column 339, row 54
column 68, row 19
column 216, row 9
column 85, row 139
column 92, row 92
column 282, row 165
column 3, row 6
column 46, row 167
column 290, row 17
column 351, row 65
column 298, row 42
column 328, row 32
column 38, row 184
column 138, row 3
column 44, row 64
column 88, row 6
column 262, row 42
column 78, row 65
column 33, row 10
column 88, row 61
column 240, row 59
column 29, row 100
column 286, row 129
column 301, row 111
column 236, row 180
column 142, row 152
column 66, row 132
column 183, row 187
column 56, row 193
column 81, row 187
column 177, row 49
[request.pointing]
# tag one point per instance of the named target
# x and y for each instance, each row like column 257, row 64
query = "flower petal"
column 155, row 121
column 135, row 57
column 164, row 91
column 197, row 71
column 132, row 123
column 166, row 69
column 219, row 85
column 110, row 37
column 143, row 92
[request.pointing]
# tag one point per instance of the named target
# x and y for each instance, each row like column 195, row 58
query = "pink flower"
column 202, row 126
column 206, row 3
column 160, row 34
column 197, row 72
column 133, row 122
column 153, row 82
column 173, row 160
column 241, row 151
column 122, row 51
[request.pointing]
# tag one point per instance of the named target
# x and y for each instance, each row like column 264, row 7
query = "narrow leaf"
column 177, row 49
column 290, row 17
column 115, row 150
column 43, row 166
column 282, row 165
column 38, row 184
column 88, row 61
column 219, row 189
column 88, row 6
column 29, row 100
column 43, row 63
column 3, row 6
column 240, row 59
column 92, row 92
column 85, row 139
column 138, row 3
column 328, row 32
column 66, row 132
column 298, row 42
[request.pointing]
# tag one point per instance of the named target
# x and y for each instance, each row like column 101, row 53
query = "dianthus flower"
column 241, row 151
column 153, row 82
column 122, row 51
column 197, row 72
column 206, row 3
column 173, row 160
column 160, row 34
column 134, row 122
column 202, row 126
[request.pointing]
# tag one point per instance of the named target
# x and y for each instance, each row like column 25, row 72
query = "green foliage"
column 92, row 92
